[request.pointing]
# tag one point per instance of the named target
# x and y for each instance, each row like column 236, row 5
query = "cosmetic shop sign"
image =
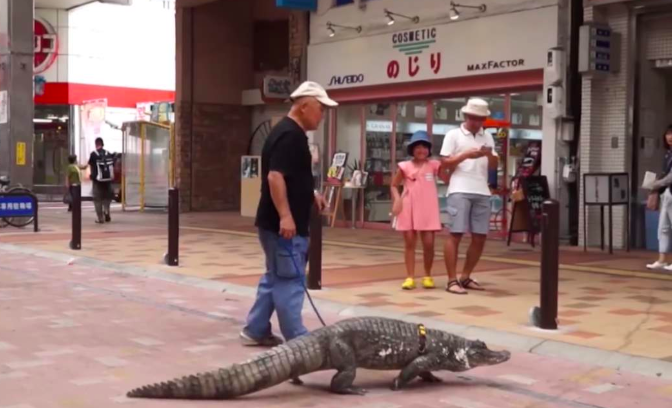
column 506, row 44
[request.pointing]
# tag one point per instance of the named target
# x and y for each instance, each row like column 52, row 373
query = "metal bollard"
column 315, row 250
column 548, row 318
column 76, row 241
column 172, row 257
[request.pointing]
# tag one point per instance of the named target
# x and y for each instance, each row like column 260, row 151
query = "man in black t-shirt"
column 287, row 195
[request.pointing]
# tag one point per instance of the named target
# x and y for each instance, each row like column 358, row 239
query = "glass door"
column 378, row 162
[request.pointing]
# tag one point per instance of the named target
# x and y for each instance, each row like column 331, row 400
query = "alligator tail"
column 297, row 357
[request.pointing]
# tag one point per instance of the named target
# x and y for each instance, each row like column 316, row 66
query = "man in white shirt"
column 468, row 152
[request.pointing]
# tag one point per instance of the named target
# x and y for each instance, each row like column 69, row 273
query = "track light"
column 455, row 13
column 390, row 17
column 332, row 32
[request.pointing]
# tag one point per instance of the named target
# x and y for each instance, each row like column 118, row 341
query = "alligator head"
column 476, row 354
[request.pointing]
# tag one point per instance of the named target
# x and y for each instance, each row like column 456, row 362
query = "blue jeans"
column 280, row 288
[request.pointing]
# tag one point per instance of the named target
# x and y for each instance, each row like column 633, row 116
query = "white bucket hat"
column 476, row 107
column 315, row 90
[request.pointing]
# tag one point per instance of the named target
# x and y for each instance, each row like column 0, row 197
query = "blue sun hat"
column 418, row 137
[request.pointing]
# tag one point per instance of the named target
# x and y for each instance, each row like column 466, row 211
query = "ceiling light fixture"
column 389, row 14
column 455, row 13
column 332, row 32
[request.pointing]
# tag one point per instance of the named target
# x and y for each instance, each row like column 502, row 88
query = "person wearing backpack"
column 101, row 163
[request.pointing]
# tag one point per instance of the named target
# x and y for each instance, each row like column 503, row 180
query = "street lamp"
column 455, row 13
column 389, row 14
column 332, row 32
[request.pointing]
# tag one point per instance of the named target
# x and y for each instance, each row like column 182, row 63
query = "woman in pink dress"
column 417, row 208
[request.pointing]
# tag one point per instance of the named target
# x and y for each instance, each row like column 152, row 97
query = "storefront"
column 417, row 77
column 90, row 77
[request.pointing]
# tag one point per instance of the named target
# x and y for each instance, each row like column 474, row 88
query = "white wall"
column 112, row 45
column 603, row 122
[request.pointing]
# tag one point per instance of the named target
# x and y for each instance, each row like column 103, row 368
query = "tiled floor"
column 629, row 313
column 76, row 336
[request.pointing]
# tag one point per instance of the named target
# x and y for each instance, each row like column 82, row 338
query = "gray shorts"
column 468, row 213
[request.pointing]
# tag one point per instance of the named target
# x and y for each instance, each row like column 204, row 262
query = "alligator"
column 365, row 342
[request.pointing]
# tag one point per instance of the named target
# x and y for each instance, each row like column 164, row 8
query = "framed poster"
column 337, row 168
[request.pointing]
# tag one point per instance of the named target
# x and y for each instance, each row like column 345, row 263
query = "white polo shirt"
column 470, row 176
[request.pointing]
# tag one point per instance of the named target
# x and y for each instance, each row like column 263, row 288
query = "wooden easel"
column 332, row 194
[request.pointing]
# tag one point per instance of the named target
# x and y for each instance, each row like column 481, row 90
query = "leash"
column 302, row 277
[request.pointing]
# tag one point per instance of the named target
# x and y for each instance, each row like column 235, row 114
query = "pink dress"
column 420, row 199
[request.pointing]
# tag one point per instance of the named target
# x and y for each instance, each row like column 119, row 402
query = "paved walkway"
column 82, row 336
column 603, row 304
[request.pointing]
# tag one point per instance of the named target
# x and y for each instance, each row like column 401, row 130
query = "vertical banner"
column 92, row 118
column 4, row 107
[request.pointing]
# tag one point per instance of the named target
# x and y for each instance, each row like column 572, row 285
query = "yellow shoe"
column 428, row 282
column 408, row 284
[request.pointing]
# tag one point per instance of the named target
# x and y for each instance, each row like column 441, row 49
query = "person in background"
column 102, row 174
column 417, row 208
column 661, row 197
column 72, row 177
column 468, row 152
column 283, row 216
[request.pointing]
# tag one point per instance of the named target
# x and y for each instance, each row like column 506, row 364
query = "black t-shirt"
column 286, row 151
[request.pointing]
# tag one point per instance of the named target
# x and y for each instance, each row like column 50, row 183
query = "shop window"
column 349, row 140
column 526, row 133
column 411, row 117
column 378, row 163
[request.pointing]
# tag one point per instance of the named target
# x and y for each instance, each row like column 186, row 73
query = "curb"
column 528, row 344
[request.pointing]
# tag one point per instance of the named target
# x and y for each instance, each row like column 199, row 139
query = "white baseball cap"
column 310, row 88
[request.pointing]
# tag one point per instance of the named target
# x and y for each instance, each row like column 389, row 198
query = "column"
column 16, row 90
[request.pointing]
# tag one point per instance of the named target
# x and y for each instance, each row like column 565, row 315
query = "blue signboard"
column 309, row 5
column 16, row 206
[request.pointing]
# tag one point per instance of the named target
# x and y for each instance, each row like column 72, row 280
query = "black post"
column 549, row 265
column 172, row 258
column 602, row 227
column 315, row 251
column 76, row 193
column 611, row 229
column 36, row 205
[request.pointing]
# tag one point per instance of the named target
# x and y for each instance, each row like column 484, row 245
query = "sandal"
column 454, row 283
column 471, row 284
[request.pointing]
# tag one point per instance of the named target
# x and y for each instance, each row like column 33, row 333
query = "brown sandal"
column 454, row 283
column 471, row 284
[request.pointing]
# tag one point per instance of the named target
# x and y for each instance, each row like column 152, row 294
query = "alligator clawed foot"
column 430, row 378
column 396, row 385
column 296, row 381
column 353, row 391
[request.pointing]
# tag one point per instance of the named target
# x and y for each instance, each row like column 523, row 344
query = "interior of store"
column 370, row 133
column 51, row 144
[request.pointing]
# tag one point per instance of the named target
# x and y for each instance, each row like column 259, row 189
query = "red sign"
column 46, row 45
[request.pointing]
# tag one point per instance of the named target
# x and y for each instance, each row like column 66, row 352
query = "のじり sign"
column 45, row 41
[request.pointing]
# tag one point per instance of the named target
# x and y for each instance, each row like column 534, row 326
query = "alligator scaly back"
column 298, row 357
